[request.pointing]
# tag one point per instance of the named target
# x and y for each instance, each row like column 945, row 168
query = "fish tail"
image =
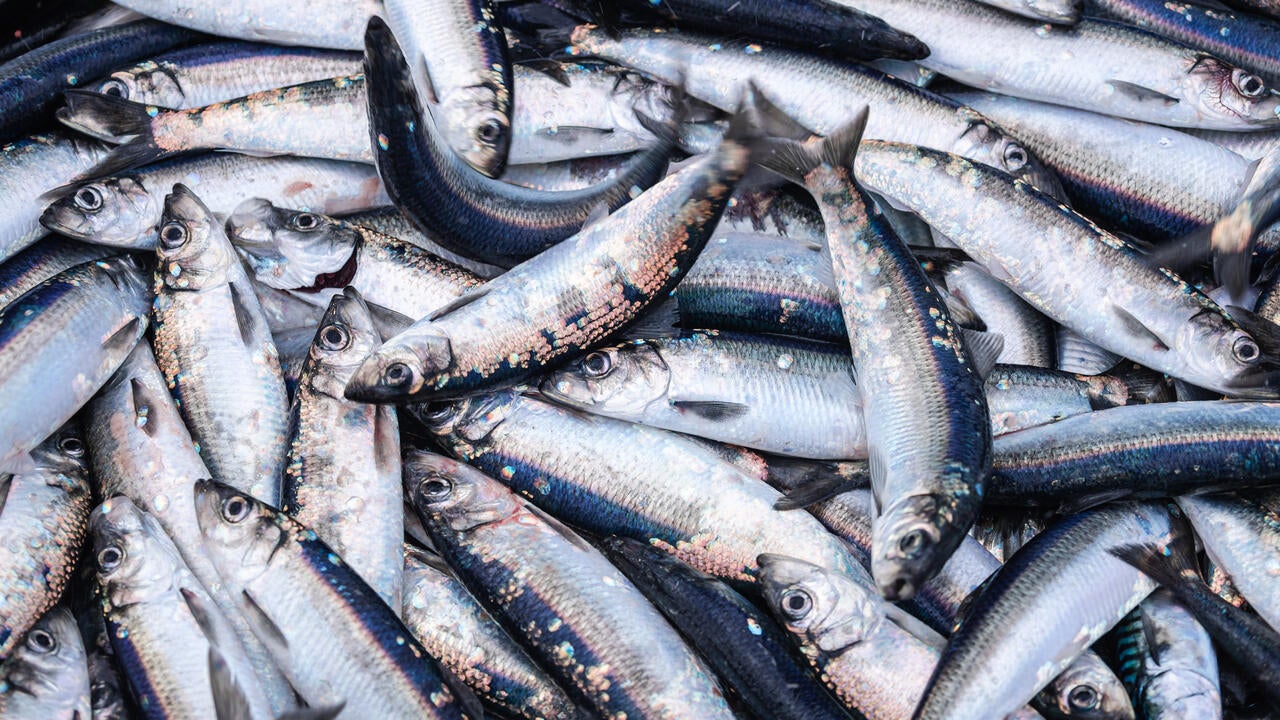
column 793, row 160
column 115, row 120
column 1170, row 565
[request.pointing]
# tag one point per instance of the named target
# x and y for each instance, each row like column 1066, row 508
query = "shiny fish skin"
column 142, row 450
column 586, row 623
column 1086, row 690
column 60, row 342
column 790, row 397
column 217, row 72
column 334, row 639
column 1063, row 12
column 29, row 167
column 1177, row 679
column 326, row 24
column 696, row 506
column 47, row 678
column 163, row 639
column 464, row 210
column 210, row 338
column 1021, row 397
column 1240, row 533
column 342, row 468
column 40, row 262
column 1064, row 584
column 1092, row 65
column 1028, row 335
column 1143, row 450
column 459, row 633
column 313, row 255
column 821, row 95
column 569, row 298
column 42, row 525
column 390, row 221
column 124, row 210
column 458, row 56
column 1160, row 321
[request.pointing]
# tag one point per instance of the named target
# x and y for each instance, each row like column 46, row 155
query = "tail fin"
column 105, row 117
column 793, row 160
column 1170, row 565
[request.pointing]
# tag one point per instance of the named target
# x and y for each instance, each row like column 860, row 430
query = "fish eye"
column 438, row 412
column 304, row 222
column 1083, row 697
column 1015, row 157
column 795, row 603
column 435, row 488
column 235, row 509
column 334, row 337
column 88, row 198
column 1249, row 85
column 597, row 364
column 489, row 132
column 109, row 558
column 71, row 446
column 913, row 543
column 173, row 235
column 42, row 641
column 397, row 374
column 1245, row 350
column 115, row 88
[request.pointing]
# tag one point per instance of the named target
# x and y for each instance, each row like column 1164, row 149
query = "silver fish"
column 1239, row 532
column 46, row 678
column 334, row 24
column 1172, row 659
column 30, row 167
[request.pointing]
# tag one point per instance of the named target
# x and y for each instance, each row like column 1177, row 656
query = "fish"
column 390, row 221
column 1239, row 534
column 1169, row 661
column 46, row 677
column 1027, row 335
column 459, row 60
column 303, row 601
column 210, row 338
column 790, row 397
column 215, row 72
column 30, row 166
column 342, row 466
column 1061, row 12
column 162, row 624
column 696, row 505
column 330, row 24
column 124, row 210
column 464, row 210
column 314, row 257
column 584, row 621
column 928, row 440
column 1067, row 585
column 61, row 341
column 43, row 260
column 459, row 633
column 42, row 525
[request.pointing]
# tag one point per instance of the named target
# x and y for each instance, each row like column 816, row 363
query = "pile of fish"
column 684, row 359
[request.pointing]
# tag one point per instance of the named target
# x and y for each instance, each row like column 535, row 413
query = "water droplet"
column 785, row 360
column 160, row 503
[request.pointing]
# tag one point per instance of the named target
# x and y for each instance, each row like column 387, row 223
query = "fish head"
column 133, row 565
column 619, row 381
column 986, row 143
column 240, row 531
column 473, row 123
column 1087, row 690
column 828, row 610
column 51, row 651
column 62, row 458
column 468, row 420
column 448, row 493
column 148, row 82
column 911, row 540
column 1220, row 355
column 116, row 211
column 1220, row 90
column 191, row 248
column 345, row 337
column 289, row 249
column 401, row 367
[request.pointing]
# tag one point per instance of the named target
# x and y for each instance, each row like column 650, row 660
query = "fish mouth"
column 65, row 221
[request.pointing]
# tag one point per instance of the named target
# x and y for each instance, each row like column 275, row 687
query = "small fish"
column 1168, row 661
column 46, row 677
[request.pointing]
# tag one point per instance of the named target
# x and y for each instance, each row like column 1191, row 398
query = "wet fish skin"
column 161, row 622
column 466, row 640
column 328, row 24
column 315, row 257
column 710, row 514
column 46, row 678
column 304, row 602
column 61, row 341
column 1179, row 677
column 390, row 221
column 1063, row 12
column 1239, row 532
column 1028, row 335
column 124, row 210
column 625, row 657
column 141, row 449
column 43, row 260
column 210, row 73
column 210, row 336
column 1068, row 585
column 342, row 467
column 42, row 525
column 1021, row 397
column 1162, row 322
column 31, row 166
column 33, row 82
column 790, row 397
column 462, row 209
column 1086, row 690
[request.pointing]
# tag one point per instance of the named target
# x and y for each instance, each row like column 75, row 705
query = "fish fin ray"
column 714, row 410
column 1141, row 93
column 461, row 301
column 984, row 349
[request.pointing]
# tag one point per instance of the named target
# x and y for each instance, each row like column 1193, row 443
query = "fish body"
column 43, row 260
column 1169, row 661
column 31, row 166
column 1239, row 531
column 332, row 24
